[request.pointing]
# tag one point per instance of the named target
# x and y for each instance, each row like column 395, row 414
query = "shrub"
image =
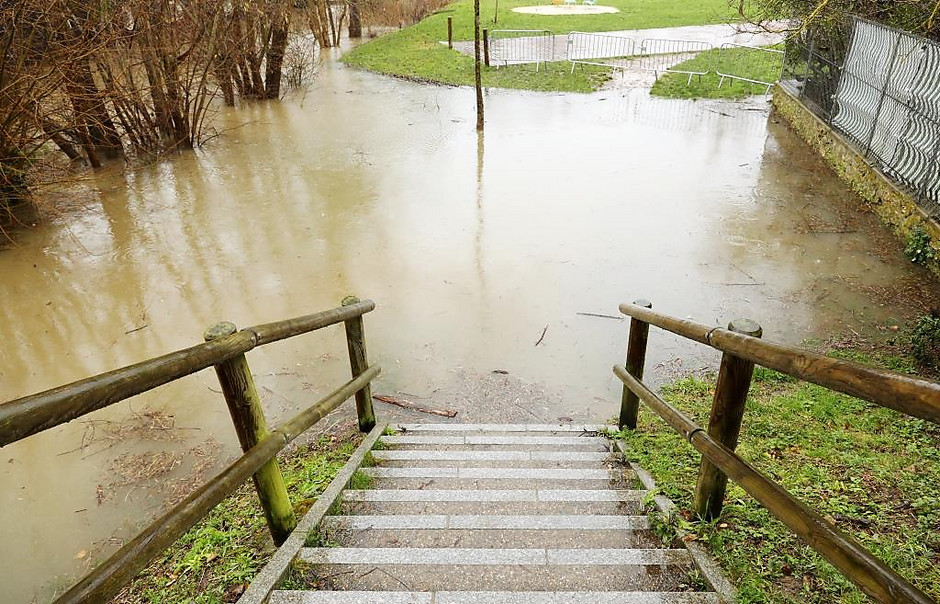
column 919, row 248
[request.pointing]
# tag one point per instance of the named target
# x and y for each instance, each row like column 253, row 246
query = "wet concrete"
column 473, row 248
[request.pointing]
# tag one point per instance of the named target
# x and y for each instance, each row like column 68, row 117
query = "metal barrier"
column 742, row 62
column 664, row 56
column 515, row 46
column 603, row 50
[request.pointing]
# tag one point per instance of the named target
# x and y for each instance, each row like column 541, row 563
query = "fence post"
column 244, row 405
column 636, row 359
column 450, row 32
column 724, row 422
column 486, row 47
column 359, row 362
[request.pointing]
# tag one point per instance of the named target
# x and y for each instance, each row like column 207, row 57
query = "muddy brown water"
column 472, row 248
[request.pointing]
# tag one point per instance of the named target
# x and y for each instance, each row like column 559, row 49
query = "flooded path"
column 472, row 248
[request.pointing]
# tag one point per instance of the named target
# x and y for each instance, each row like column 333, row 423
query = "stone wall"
column 890, row 202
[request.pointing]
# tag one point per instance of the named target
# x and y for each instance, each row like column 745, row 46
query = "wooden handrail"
column 910, row 395
column 32, row 414
column 869, row 573
column 108, row 578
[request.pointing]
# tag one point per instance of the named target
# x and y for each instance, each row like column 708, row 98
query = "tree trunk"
column 55, row 133
column 275, row 59
column 355, row 20
column 92, row 112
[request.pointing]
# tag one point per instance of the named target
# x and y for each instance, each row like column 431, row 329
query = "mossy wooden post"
column 636, row 360
column 450, row 32
column 486, row 47
column 359, row 362
column 724, row 423
column 244, row 405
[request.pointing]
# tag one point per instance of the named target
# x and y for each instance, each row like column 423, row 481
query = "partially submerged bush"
column 925, row 340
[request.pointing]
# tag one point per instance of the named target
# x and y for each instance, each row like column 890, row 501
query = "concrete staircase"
column 492, row 514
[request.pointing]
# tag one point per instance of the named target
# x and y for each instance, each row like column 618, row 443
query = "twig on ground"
column 542, row 336
column 400, row 402
column 593, row 314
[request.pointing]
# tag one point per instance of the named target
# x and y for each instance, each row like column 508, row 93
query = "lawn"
column 752, row 64
column 872, row 471
column 416, row 52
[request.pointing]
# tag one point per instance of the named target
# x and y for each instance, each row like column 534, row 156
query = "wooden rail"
column 909, row 395
column 32, row 414
column 108, row 578
column 743, row 348
column 225, row 349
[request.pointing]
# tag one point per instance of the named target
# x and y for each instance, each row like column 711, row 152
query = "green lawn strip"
column 216, row 559
column 755, row 65
column 873, row 471
column 634, row 14
column 416, row 52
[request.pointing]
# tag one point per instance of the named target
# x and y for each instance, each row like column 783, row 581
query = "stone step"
column 501, row 473
column 531, row 495
column 429, row 569
column 461, row 556
column 515, row 456
column 491, row 597
column 504, row 508
column 627, row 482
column 585, row 444
column 488, row 522
column 555, row 441
column 500, row 428
column 572, row 539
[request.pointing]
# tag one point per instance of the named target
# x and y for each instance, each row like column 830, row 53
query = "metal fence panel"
column 665, row 56
column 515, row 46
column 888, row 102
column 747, row 63
column 599, row 49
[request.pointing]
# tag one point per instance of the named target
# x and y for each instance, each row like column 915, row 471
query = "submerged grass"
column 216, row 559
column 872, row 471
column 416, row 52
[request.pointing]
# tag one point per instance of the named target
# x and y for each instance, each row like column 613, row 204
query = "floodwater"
column 474, row 248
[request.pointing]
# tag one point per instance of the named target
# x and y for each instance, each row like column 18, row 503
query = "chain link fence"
column 880, row 88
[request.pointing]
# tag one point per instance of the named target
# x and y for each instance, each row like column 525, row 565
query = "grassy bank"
column 871, row 470
column 416, row 52
column 214, row 562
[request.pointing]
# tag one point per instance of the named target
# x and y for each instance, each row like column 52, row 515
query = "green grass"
column 416, row 53
column 755, row 65
column 873, row 471
column 216, row 559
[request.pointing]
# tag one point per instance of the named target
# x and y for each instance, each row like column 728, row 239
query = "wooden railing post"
column 636, row 359
column 450, row 32
column 724, row 423
column 359, row 362
column 244, row 405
